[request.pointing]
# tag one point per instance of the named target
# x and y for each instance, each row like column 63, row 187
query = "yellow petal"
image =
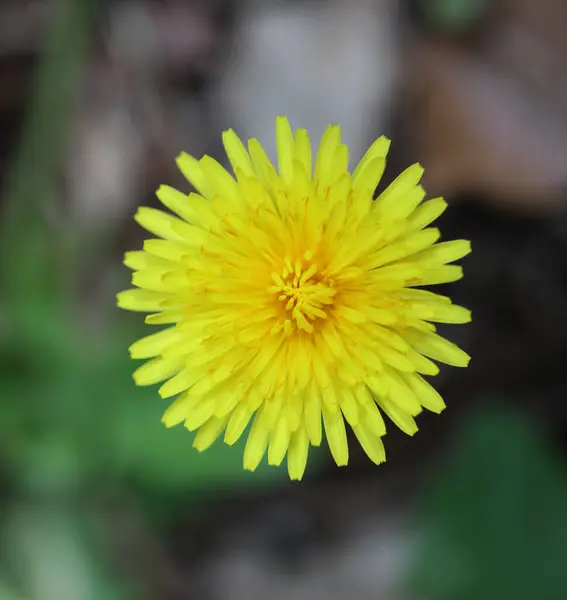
column 279, row 441
column 175, row 200
column 312, row 415
column 155, row 344
column 403, row 184
column 399, row 416
column 178, row 410
column 236, row 152
column 446, row 252
column 260, row 159
column 379, row 149
column 370, row 414
column 302, row 150
column 284, row 142
column 427, row 395
column 435, row 276
column 437, row 348
column 219, row 178
column 427, row 213
column 327, row 147
column 141, row 300
column 181, row 382
column 396, row 207
column 422, row 364
column 405, row 247
column 367, row 179
column 191, row 168
column 168, row 227
column 143, row 260
column 349, row 406
column 155, row 370
column 401, row 394
column 256, row 445
column 200, row 413
column 209, row 432
column 371, row 443
column 336, row 435
column 172, row 251
column 237, row 423
column 297, row 454
column 165, row 317
column 154, row 279
column 441, row 313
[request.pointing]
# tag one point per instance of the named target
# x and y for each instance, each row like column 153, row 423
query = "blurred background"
column 97, row 500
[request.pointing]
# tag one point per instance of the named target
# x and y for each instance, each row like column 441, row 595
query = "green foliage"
column 30, row 219
column 44, row 550
column 454, row 15
column 496, row 517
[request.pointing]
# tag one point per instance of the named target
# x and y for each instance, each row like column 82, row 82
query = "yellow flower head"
column 290, row 299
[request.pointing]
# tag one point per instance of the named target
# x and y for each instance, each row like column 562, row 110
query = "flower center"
column 303, row 293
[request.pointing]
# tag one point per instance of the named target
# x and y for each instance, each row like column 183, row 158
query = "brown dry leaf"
column 493, row 122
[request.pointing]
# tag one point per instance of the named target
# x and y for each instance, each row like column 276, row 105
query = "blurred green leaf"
column 496, row 518
column 30, row 231
column 48, row 552
column 454, row 15
column 7, row 592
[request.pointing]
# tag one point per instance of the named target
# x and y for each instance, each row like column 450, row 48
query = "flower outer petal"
column 182, row 381
column 155, row 370
column 406, row 246
column 279, row 440
column 193, row 172
column 398, row 416
column 140, row 259
column 401, row 185
column 422, row 365
column 349, row 406
column 428, row 396
column 369, row 177
column 371, row 443
column 165, row 317
column 312, row 415
column 395, row 208
column 178, row 410
column 437, row 348
column 379, row 149
column 141, row 300
column 285, row 147
column 370, row 413
column 336, row 435
column 256, row 445
column 297, row 454
column 175, row 200
column 237, row 423
column 302, row 150
column 427, row 213
column 327, row 147
column 401, row 394
column 160, row 223
column 237, row 154
column 154, row 344
column 200, row 413
column 446, row 252
column 209, row 432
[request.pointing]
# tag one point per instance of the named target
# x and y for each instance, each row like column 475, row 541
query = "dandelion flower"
column 290, row 302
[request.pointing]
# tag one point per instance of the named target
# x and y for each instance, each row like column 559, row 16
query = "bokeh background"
column 97, row 500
